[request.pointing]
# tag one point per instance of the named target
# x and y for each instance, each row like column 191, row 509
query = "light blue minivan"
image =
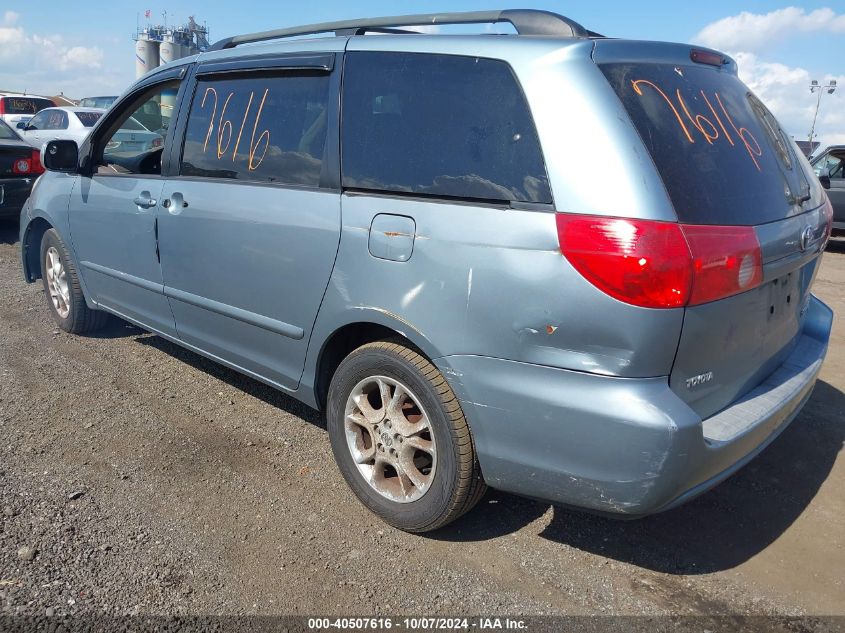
column 566, row 266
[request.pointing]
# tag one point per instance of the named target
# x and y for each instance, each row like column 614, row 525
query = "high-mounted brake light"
column 661, row 264
column 707, row 57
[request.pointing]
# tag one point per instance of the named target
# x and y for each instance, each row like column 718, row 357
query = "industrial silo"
column 146, row 56
column 169, row 51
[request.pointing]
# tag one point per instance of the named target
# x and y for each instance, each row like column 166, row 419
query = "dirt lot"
column 145, row 479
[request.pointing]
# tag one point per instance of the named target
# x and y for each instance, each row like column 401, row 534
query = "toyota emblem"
column 806, row 237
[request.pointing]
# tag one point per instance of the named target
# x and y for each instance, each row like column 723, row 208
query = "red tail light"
column 28, row 166
column 661, row 264
column 727, row 260
column 36, row 167
column 640, row 262
column 2, row 105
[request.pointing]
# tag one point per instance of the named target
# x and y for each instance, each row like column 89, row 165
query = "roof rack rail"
column 525, row 21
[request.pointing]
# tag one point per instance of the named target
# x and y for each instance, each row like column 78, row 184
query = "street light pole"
column 816, row 87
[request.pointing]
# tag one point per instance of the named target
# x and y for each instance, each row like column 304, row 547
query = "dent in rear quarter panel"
column 490, row 282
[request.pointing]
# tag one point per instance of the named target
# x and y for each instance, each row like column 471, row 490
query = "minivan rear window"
column 25, row 105
column 439, row 125
column 721, row 154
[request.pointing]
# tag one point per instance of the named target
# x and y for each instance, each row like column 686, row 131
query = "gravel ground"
column 139, row 478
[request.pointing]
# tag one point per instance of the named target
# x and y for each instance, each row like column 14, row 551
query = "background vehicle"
column 16, row 109
column 75, row 124
column 830, row 167
column 133, row 138
column 409, row 233
column 71, row 124
column 103, row 103
column 20, row 164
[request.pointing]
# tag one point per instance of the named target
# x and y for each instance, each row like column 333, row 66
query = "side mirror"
column 61, row 156
column 21, row 125
column 825, row 180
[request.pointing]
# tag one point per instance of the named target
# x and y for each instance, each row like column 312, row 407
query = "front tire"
column 62, row 289
column 400, row 438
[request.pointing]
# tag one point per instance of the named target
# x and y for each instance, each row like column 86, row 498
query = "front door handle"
column 145, row 201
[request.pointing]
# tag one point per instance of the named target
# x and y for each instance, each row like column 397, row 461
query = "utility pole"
column 816, row 87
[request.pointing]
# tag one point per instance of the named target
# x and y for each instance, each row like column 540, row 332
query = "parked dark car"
column 20, row 165
column 830, row 168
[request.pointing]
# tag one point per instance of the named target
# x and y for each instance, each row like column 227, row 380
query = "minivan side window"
column 260, row 128
column 439, row 125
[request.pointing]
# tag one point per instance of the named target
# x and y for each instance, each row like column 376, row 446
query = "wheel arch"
column 31, row 237
column 31, row 247
column 349, row 336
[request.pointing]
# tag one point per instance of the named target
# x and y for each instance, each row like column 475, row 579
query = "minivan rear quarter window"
column 439, row 125
column 259, row 128
column 722, row 156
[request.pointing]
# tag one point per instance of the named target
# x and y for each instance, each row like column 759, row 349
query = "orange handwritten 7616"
column 225, row 129
column 711, row 129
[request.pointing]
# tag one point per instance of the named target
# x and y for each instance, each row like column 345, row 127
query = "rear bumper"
column 13, row 195
column 620, row 445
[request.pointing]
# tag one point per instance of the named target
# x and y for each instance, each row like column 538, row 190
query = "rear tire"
column 62, row 289
column 400, row 438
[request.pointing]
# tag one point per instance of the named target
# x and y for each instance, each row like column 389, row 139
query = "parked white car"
column 72, row 124
column 17, row 108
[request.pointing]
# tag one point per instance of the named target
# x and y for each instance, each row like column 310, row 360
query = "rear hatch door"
column 725, row 160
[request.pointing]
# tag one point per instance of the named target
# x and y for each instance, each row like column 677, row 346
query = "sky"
column 85, row 48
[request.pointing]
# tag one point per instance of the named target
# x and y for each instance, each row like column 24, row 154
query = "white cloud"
column 754, row 31
column 46, row 64
column 81, row 57
column 786, row 91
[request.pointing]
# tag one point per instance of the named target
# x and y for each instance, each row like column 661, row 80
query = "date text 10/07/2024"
column 419, row 624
